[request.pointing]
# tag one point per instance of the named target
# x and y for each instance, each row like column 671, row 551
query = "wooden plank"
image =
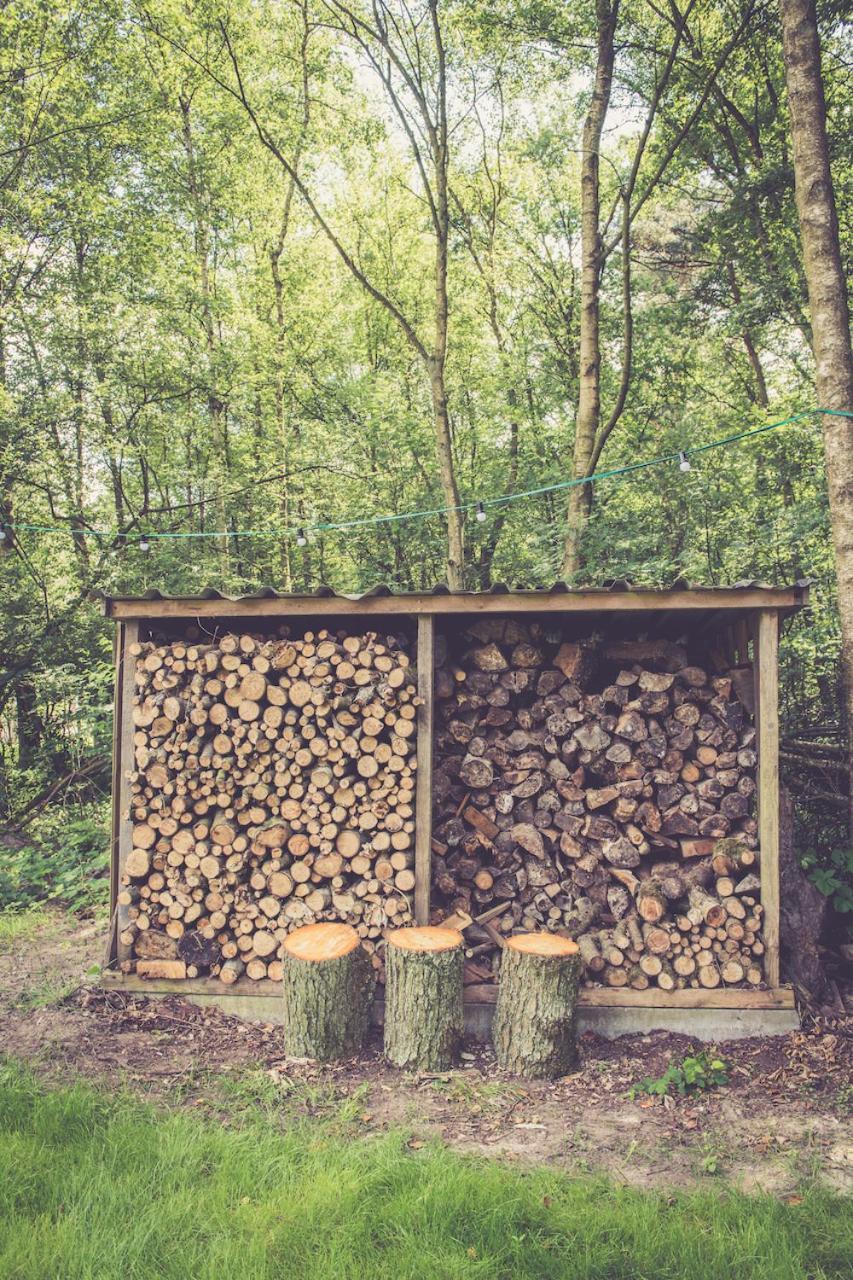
column 737, row 998
column 118, row 640
column 619, row 998
column 423, row 795
column 417, row 605
column 590, row 997
column 123, row 764
column 767, row 666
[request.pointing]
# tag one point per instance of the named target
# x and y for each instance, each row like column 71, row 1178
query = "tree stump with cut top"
column 423, row 998
column 327, row 982
column 534, row 1030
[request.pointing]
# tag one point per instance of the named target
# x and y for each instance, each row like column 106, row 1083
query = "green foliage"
column 66, row 863
column 694, row 1074
column 832, row 874
column 95, row 1186
column 182, row 349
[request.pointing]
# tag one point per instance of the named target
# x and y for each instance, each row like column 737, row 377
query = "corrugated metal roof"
column 380, row 590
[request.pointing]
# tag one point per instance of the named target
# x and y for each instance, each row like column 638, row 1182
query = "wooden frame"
column 767, row 722
column 710, row 598
column 589, row 998
column 754, row 610
column 423, row 794
column 122, row 753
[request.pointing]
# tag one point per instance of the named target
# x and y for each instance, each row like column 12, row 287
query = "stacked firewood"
column 599, row 789
column 272, row 786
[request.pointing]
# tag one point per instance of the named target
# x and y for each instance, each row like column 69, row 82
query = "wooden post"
column 767, row 666
column 122, row 766
column 423, row 801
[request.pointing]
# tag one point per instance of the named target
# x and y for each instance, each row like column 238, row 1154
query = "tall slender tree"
column 830, row 318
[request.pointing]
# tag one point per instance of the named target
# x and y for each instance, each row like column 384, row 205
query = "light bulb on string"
column 144, row 544
column 301, row 539
column 481, row 512
column 684, row 462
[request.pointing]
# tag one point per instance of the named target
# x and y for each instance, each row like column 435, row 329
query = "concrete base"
column 703, row 1024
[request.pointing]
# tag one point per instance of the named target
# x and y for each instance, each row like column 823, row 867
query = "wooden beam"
column 118, row 720
column 423, row 797
column 122, row 767
column 767, row 666
column 474, row 604
column 619, row 998
column 589, row 998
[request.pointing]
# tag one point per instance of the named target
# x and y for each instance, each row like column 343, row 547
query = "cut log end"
column 425, row 938
column 321, row 942
column 542, row 944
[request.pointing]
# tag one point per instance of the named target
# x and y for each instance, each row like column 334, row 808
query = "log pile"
column 272, row 787
column 602, row 790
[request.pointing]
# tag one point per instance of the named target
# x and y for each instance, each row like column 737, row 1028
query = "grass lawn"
column 104, row 1186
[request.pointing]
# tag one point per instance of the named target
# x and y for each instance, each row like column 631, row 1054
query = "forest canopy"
column 268, row 266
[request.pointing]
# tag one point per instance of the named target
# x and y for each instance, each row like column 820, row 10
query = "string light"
column 144, row 544
column 478, row 506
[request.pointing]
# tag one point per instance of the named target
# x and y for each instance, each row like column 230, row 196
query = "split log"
column 562, row 766
column 534, row 1029
column 327, row 987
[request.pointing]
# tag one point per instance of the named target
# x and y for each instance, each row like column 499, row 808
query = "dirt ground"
column 786, row 1115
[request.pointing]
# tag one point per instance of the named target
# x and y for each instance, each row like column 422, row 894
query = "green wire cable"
column 427, row 513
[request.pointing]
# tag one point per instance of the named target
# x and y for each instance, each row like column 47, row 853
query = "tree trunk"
column 447, row 473
column 216, row 407
column 443, row 437
column 534, row 1028
column 29, row 721
column 423, row 998
column 589, row 388
column 749, row 342
column 328, row 984
column 828, row 306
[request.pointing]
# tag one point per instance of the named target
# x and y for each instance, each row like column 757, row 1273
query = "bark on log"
column 423, row 998
column 534, row 1028
column 327, row 987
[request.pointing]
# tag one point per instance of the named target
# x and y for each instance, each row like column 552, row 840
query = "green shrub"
column 695, row 1073
column 833, row 876
column 67, row 862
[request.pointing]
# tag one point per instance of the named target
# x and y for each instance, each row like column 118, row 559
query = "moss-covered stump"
column 534, row 1028
column 423, row 998
column 328, row 982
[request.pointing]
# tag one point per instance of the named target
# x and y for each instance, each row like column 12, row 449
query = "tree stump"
column 423, row 998
column 327, row 982
column 534, row 1026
